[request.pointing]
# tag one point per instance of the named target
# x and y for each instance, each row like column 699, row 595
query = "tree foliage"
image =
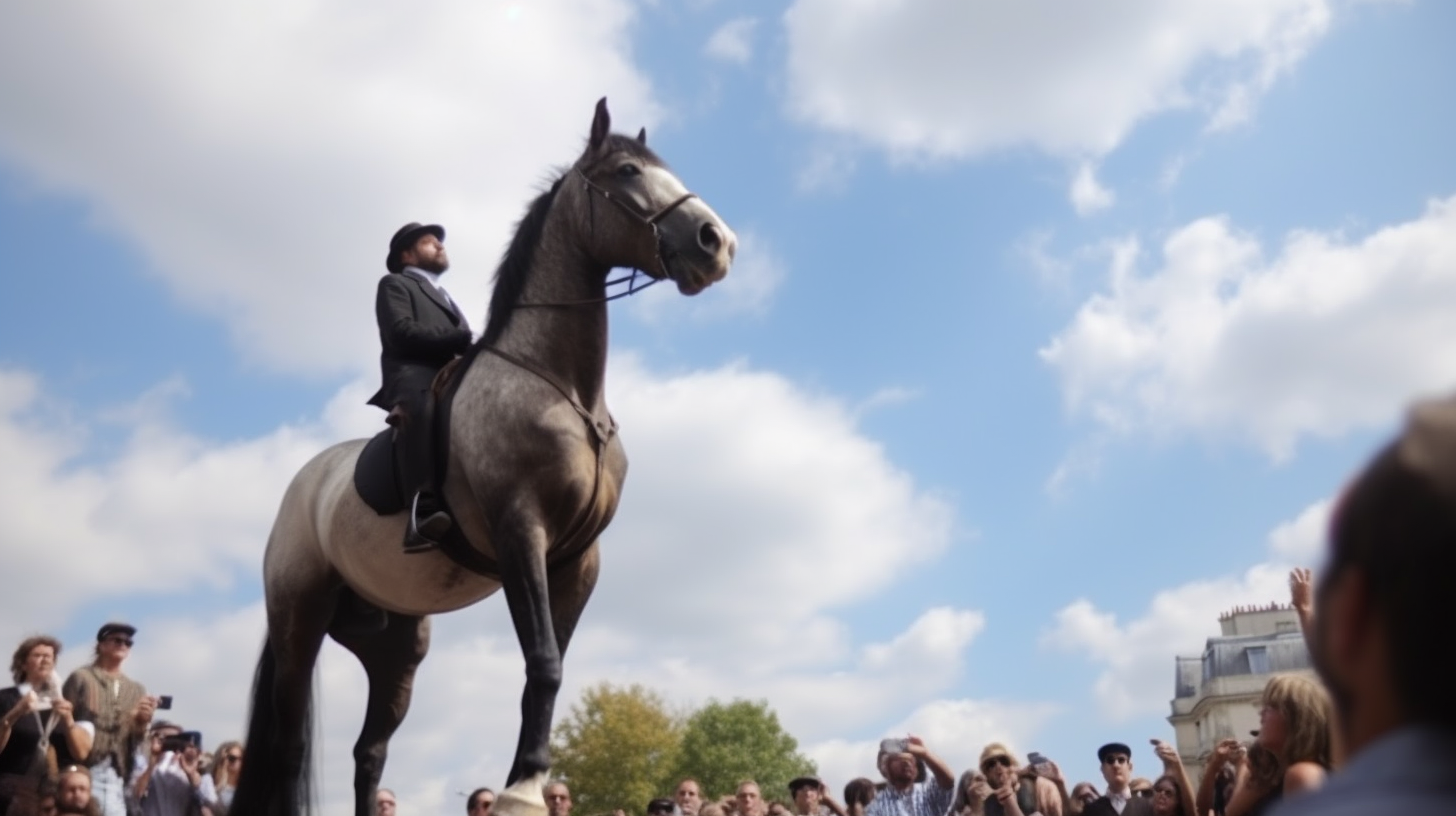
column 726, row 743
column 616, row 749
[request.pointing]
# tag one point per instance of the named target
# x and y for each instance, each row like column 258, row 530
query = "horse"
column 533, row 474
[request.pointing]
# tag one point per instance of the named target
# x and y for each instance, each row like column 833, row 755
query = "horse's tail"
column 277, row 777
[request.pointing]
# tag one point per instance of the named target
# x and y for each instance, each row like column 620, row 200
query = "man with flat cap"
column 421, row 329
column 1116, row 759
column 120, row 709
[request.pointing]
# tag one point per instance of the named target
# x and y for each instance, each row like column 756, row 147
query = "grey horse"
column 535, row 470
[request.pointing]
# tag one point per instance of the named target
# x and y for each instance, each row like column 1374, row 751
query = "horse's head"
column 641, row 216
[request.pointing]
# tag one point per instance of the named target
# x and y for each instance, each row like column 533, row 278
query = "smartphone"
column 164, row 702
column 1039, row 763
column 894, row 746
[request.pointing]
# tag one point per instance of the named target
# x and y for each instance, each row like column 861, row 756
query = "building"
column 1216, row 695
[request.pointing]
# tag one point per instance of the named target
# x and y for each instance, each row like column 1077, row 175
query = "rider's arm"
column 408, row 336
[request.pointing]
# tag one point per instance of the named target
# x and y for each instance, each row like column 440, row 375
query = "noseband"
column 647, row 219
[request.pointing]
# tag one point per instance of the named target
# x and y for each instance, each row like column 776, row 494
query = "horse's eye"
column 629, row 170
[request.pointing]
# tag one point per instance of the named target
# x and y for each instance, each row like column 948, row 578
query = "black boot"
column 415, row 448
column 427, row 524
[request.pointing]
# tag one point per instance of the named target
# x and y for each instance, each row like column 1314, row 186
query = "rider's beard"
column 437, row 264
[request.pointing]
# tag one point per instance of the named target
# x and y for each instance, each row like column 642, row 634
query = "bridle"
column 650, row 220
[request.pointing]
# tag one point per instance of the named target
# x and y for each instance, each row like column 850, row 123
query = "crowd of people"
column 96, row 744
column 1375, row 733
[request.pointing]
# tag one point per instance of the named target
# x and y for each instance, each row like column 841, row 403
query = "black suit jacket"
column 420, row 332
column 1136, row 806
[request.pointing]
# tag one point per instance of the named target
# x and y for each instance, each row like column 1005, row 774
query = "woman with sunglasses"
column 1292, row 752
column 36, row 723
column 227, row 764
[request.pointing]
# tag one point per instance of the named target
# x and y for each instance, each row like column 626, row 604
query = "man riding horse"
column 421, row 329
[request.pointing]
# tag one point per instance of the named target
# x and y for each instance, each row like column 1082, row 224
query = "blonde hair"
column 220, row 763
column 1306, row 708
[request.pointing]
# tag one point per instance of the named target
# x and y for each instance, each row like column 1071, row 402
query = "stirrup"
column 415, row 541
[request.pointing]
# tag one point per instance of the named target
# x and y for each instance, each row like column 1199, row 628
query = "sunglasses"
column 1117, row 759
column 1165, row 791
column 123, row 641
column 1004, row 762
column 234, row 757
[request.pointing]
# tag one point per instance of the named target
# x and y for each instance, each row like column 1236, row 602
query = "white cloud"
column 261, row 155
column 1331, row 335
column 950, row 79
column 1087, row 195
column 733, row 41
column 1137, row 656
column 753, row 513
column 1302, row 539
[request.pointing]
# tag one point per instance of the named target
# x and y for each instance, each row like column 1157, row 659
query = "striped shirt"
column 926, row 798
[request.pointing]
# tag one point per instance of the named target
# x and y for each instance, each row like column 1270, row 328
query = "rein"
column 650, row 220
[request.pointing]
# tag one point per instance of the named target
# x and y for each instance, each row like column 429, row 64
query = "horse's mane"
column 510, row 275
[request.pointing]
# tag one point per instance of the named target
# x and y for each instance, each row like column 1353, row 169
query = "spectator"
column 660, row 807
column 811, row 798
column 385, row 802
column 1176, row 775
column 35, row 717
column 749, row 799
column 1290, row 756
column 858, row 795
column 172, row 783
column 689, row 797
column 711, row 809
column 1141, row 786
column 1168, row 797
column 120, row 709
column 1385, row 628
column 227, row 765
column 1116, row 760
column 73, row 795
column 47, row 806
column 1005, row 787
column 558, row 798
column 909, row 790
column 971, row 791
column 1083, row 794
column 479, row 802
column 777, row 808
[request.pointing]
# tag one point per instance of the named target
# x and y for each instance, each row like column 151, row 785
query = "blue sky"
column 1061, row 332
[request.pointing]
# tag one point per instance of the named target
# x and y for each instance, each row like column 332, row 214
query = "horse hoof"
column 525, row 798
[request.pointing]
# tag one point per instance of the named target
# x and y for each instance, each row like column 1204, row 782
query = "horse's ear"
column 601, row 126
column 642, row 135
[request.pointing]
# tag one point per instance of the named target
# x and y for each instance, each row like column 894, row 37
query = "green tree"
column 616, row 749
column 726, row 743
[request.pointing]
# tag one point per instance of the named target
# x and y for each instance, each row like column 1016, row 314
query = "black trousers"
column 414, row 443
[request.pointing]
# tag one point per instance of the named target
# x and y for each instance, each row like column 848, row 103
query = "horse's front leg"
column 521, row 549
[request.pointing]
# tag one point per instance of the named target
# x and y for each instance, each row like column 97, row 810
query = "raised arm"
column 1173, row 765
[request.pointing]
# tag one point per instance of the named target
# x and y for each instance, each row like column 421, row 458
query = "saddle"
column 377, row 473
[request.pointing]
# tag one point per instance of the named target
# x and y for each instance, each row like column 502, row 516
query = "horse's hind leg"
column 390, row 659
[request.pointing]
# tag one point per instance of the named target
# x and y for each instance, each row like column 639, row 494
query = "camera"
column 177, row 743
column 164, row 702
column 894, row 746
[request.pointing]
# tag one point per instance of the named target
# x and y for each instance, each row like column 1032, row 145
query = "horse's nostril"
column 709, row 238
